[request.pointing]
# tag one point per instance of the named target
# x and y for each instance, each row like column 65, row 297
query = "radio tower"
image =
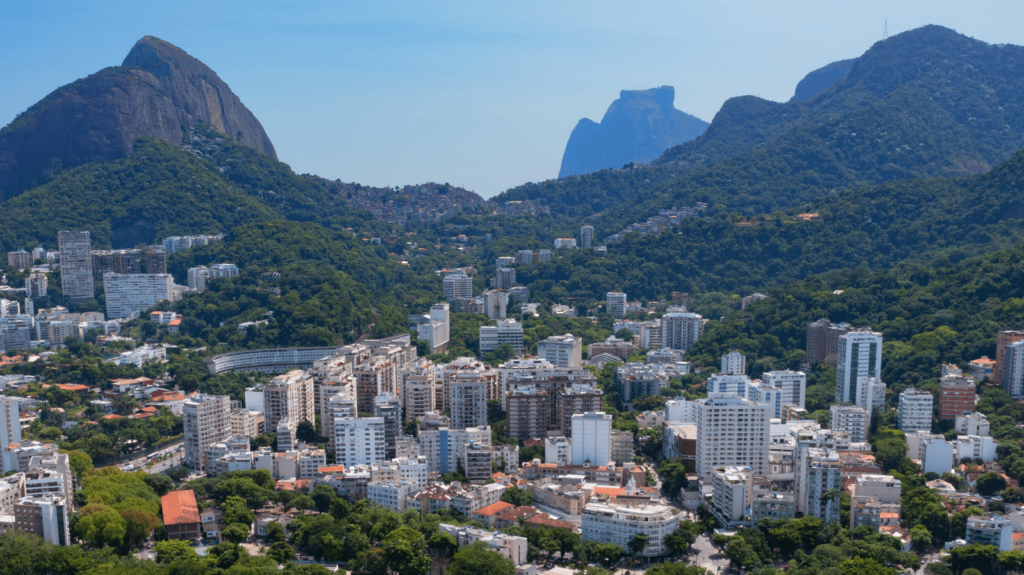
column 885, row 31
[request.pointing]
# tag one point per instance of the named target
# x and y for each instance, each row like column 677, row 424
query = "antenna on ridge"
column 885, row 31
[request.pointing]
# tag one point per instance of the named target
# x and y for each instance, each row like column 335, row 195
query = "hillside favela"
column 535, row 289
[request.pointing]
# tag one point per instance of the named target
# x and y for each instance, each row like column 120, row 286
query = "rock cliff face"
column 637, row 127
column 820, row 79
column 157, row 90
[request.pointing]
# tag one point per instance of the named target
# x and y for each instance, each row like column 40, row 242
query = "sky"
column 477, row 94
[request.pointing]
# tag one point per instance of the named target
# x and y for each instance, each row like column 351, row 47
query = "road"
column 166, row 465
column 707, row 556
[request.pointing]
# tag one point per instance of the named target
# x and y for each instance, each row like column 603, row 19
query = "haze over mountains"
column 637, row 127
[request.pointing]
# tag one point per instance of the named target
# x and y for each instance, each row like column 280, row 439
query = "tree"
column 863, row 566
column 275, row 532
column 624, row 334
column 981, row 557
column 719, row 540
column 138, row 525
column 518, row 497
column 235, row 533
column 922, row 538
column 937, row 569
column 607, row 552
column 442, row 545
column 160, row 483
column 236, row 511
column 323, row 495
column 990, row 483
column 638, row 543
column 173, row 550
column 307, row 432
column 478, row 559
column 404, row 552
column 303, row 502
column 79, row 461
column 101, row 525
column 680, row 540
column 281, row 552
column 1011, row 560
column 739, row 551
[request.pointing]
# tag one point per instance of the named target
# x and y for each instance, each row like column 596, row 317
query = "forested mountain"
column 928, row 102
column 156, row 91
column 638, row 127
column 821, row 79
column 876, row 227
column 212, row 184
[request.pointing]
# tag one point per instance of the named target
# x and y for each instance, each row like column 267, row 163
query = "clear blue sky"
column 479, row 94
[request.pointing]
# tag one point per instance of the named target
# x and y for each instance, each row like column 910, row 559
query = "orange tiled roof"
column 494, row 509
column 111, row 416
column 889, row 515
column 1018, row 534
column 515, row 514
column 331, row 469
column 175, row 321
column 543, row 519
column 149, row 409
column 73, row 387
column 180, row 507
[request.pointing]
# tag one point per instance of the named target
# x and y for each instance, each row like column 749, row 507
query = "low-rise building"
column 511, row 546
column 617, row 524
column 990, row 530
column 181, row 515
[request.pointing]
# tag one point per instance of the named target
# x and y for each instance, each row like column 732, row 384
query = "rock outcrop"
column 637, row 127
column 158, row 90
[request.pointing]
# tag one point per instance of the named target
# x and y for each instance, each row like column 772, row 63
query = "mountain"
column 637, row 127
column 820, row 79
column 928, row 102
column 155, row 92
column 212, row 183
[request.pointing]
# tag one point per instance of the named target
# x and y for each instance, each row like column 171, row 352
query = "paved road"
column 707, row 556
column 166, row 465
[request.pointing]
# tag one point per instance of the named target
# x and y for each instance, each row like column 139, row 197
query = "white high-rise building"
column 457, row 285
column 616, row 303
column 591, row 439
column 223, row 270
column 507, row 331
column 792, row 383
column 824, row 478
column 389, row 408
column 587, row 237
column 46, row 516
column 859, row 357
column 504, row 278
column 129, row 294
column 871, row 395
column 467, row 400
column 10, row 430
column 436, row 331
column 289, row 396
column 359, row 440
column 562, row 350
column 444, row 447
column 1013, row 369
column 36, row 285
column 680, row 329
column 76, row 265
column 495, row 304
column 197, row 277
column 915, row 411
column 732, row 432
column 734, row 363
column 763, row 394
column 206, row 419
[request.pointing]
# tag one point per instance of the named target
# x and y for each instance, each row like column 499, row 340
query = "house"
column 488, row 515
column 181, row 515
column 511, row 517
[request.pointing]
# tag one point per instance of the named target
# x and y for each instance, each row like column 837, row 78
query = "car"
column 550, row 565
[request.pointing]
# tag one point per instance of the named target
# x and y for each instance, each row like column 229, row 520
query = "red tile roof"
column 494, row 509
column 544, row 519
column 515, row 514
column 76, row 387
column 180, row 507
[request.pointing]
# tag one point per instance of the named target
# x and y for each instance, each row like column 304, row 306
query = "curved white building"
column 267, row 360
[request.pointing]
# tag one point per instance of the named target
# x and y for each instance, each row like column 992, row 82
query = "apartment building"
column 1004, row 339
column 562, row 350
column 615, row 304
column 418, row 389
column 578, row 398
column 19, row 260
column 467, row 400
column 528, row 413
column 129, row 294
column 822, row 483
column 506, row 331
column 389, row 408
column 618, row 524
column 289, row 396
column 734, row 363
column 957, row 396
column 504, row 278
column 359, row 440
column 443, row 447
column 76, row 278
column 614, row 346
column 45, row 516
column 36, row 285
column 206, row 419
column 457, row 285
column 587, row 237
column 621, row 441
column 1011, row 366
column 732, row 432
column 591, row 439
column 859, row 357
column 247, row 422
column 792, row 384
column 915, row 410
column 851, row 419
column 681, row 329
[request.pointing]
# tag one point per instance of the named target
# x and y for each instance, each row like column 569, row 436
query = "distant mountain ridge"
column 158, row 90
column 925, row 103
column 638, row 127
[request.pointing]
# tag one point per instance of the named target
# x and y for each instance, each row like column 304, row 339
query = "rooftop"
column 179, row 507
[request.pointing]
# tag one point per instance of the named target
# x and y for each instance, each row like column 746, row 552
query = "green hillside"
column 213, row 184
